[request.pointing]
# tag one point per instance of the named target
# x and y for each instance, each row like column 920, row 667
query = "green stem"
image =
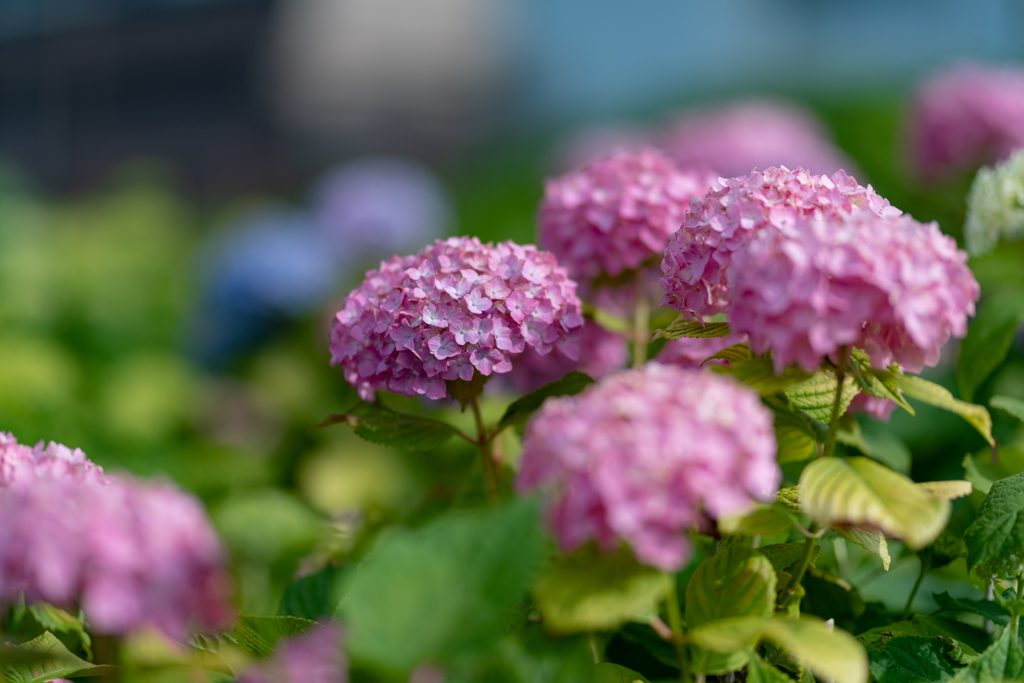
column 830, row 438
column 1016, row 619
column 484, row 445
column 801, row 568
column 675, row 621
column 913, row 591
column 641, row 322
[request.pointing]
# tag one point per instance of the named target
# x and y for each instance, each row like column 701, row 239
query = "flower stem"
column 801, row 568
column 484, row 445
column 830, row 438
column 913, row 591
column 641, row 322
column 675, row 620
column 1016, row 619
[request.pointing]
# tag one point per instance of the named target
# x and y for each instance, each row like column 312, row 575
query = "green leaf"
column 988, row 340
column 1003, row 660
column 935, row 395
column 879, row 383
column 257, row 636
column 309, row 597
column 592, row 591
column 996, row 537
column 760, row 672
column 57, row 662
column 784, row 555
column 911, row 659
column 685, row 329
column 433, row 592
column 988, row 609
column 378, row 424
column 946, row 490
column 763, row 520
column 871, row 540
column 56, row 620
column 795, row 431
column 758, row 373
column 981, row 469
column 971, row 639
column 606, row 672
column 829, row 653
column 888, row 449
column 732, row 353
column 1010, row 405
column 520, row 410
column 860, row 492
column 816, row 394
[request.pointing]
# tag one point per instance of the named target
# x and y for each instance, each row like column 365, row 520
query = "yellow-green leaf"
column 947, row 490
column 871, row 540
column 732, row 353
column 935, row 395
column 860, row 492
column 686, row 329
column 758, row 373
column 763, row 520
column 817, row 394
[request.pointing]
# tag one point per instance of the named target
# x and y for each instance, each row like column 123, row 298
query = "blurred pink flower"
column 695, row 270
column 878, row 408
column 601, row 352
column 966, row 117
column 893, row 286
column 646, row 454
column 456, row 308
column 616, row 213
column 313, row 656
column 692, row 352
column 21, row 464
column 753, row 135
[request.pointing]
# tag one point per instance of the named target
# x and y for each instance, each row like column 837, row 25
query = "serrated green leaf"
column 606, row 672
column 57, row 662
column 310, row 597
column 257, row 636
column 592, row 591
column 996, row 537
column 379, row 424
column 987, row 342
column 816, row 394
column 971, row 639
column 758, row 373
column 1002, row 661
column 988, row 609
column 871, row 540
column 56, row 620
column 685, row 329
column 860, row 492
column 1013, row 406
column 763, row 520
column 444, row 588
column 935, row 395
column 911, row 659
column 829, row 653
column 732, row 353
column 878, row 383
column 521, row 409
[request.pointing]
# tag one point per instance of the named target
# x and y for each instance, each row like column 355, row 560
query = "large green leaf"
column 935, row 395
column 860, row 492
column 685, row 329
column 1008, row 404
column 989, row 609
column 55, row 661
column 758, row 373
column 590, row 591
column 829, row 653
column 1002, row 661
column 309, row 597
column 911, row 659
column 988, row 341
column 257, row 636
column 379, row 424
column 432, row 593
column 817, row 394
column 995, row 540
column 521, row 409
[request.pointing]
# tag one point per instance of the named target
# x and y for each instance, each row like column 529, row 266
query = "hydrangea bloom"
column 893, row 286
column 456, row 308
column 616, row 213
column 878, row 408
column 695, row 270
column 313, row 656
column 753, row 135
column 967, row 116
column 20, row 464
column 692, row 352
column 601, row 352
column 995, row 206
column 647, row 453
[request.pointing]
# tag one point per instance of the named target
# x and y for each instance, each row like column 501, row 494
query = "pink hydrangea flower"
column 457, row 308
column 878, row 408
column 695, row 269
column 692, row 352
column 646, row 454
column 601, row 352
column 20, row 464
column 617, row 213
column 967, row 116
column 313, row 656
column 753, row 135
column 893, row 286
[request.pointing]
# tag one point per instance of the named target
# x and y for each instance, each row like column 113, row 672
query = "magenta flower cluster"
column 601, row 353
column 616, row 213
column 647, row 454
column 967, row 116
column 457, row 308
column 130, row 554
column 313, row 656
column 894, row 287
column 695, row 270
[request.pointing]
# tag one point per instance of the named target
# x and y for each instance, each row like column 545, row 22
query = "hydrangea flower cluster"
column 601, row 353
column 616, row 213
column 646, row 454
column 692, row 352
column 995, row 206
column 456, row 308
column 753, row 135
column 967, row 116
column 893, row 286
column 695, row 269
column 878, row 408
column 313, row 656
column 130, row 553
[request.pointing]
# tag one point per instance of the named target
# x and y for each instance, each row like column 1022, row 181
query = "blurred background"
column 188, row 189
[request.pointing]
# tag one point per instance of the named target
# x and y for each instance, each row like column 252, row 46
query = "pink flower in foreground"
column 601, row 352
column 456, row 308
column 692, row 352
column 695, row 270
column 967, row 116
column 313, row 656
column 753, row 135
column 616, row 213
column 21, row 464
column 646, row 454
column 893, row 286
